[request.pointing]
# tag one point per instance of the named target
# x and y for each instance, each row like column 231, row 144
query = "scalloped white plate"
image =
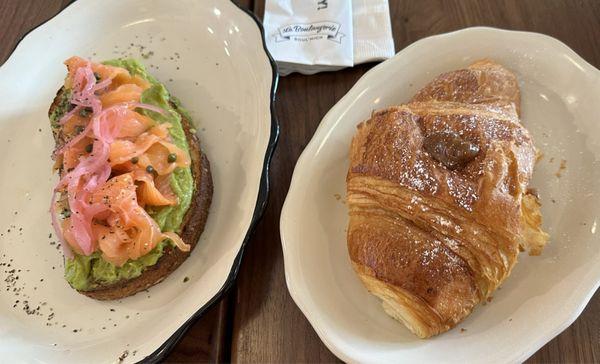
column 560, row 104
column 210, row 54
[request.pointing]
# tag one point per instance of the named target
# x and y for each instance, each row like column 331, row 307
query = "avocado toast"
column 135, row 187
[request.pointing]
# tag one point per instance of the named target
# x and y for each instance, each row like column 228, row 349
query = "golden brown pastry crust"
column 483, row 82
column 430, row 240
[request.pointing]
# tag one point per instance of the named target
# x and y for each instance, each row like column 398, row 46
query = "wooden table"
column 257, row 321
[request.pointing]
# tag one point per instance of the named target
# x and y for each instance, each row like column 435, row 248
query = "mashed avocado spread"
column 87, row 272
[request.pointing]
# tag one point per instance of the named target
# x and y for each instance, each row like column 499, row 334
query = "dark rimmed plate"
column 211, row 55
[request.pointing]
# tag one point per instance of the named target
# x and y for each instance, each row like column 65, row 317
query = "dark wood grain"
column 207, row 341
column 257, row 321
column 17, row 17
column 268, row 327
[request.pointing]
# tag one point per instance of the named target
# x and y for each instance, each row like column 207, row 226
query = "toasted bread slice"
column 191, row 228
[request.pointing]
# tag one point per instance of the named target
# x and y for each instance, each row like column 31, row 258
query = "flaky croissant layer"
column 438, row 197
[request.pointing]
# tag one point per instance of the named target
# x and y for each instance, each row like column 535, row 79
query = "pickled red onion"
column 94, row 170
column 101, row 85
column 140, row 105
column 82, row 215
column 95, row 162
column 176, row 239
column 84, row 94
column 86, row 131
column 68, row 115
column 73, row 140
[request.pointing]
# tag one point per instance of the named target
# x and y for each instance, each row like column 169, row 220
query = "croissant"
column 438, row 199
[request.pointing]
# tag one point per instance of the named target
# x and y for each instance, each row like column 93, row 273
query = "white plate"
column 560, row 98
column 210, row 54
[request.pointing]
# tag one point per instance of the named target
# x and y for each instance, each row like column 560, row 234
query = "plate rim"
column 286, row 215
column 262, row 196
column 261, row 203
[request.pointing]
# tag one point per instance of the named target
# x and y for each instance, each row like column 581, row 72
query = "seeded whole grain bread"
column 192, row 225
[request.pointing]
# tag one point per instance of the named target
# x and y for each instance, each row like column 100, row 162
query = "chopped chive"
column 89, row 148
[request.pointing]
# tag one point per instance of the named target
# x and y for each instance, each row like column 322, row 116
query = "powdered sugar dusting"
column 464, row 193
column 430, row 255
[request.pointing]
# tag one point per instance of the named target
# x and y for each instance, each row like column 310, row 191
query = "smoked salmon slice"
column 117, row 162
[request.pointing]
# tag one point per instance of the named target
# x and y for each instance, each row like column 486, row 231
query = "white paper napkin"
column 373, row 40
column 309, row 33
column 310, row 36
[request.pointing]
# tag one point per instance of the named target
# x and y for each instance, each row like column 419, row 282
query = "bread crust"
column 192, row 226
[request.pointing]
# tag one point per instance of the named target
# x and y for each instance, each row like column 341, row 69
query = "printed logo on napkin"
column 309, row 32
